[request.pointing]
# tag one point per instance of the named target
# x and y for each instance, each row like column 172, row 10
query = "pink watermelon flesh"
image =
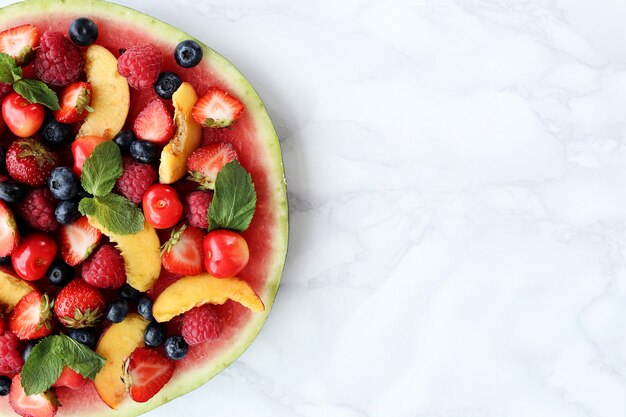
column 259, row 152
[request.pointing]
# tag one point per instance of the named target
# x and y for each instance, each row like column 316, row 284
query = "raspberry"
column 201, row 324
column 141, row 66
column 135, row 179
column 5, row 89
column 197, row 205
column 58, row 60
column 105, row 268
column 38, row 210
column 10, row 359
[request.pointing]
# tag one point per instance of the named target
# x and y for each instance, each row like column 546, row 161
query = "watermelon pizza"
column 143, row 211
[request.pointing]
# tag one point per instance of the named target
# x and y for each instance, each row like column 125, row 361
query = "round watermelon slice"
column 259, row 152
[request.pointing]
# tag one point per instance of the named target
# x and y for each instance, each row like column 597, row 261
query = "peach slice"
column 193, row 291
column 12, row 289
column 116, row 344
column 186, row 138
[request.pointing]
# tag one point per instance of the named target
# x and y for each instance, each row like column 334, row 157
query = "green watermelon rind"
column 266, row 134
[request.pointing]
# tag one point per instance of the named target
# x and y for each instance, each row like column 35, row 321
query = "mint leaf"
column 36, row 91
column 234, row 201
column 87, row 206
column 80, row 358
column 7, row 68
column 43, row 366
column 118, row 214
column 102, row 169
column 16, row 73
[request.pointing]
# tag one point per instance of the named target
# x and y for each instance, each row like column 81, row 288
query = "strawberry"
column 39, row 405
column 146, row 371
column 205, row 163
column 20, row 42
column 69, row 378
column 78, row 240
column 182, row 253
column 30, row 162
column 75, row 103
column 32, row 318
column 9, row 235
column 79, row 305
column 217, row 108
column 154, row 123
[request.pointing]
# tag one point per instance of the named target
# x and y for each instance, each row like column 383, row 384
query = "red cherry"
column 162, row 206
column 225, row 253
column 81, row 150
column 24, row 119
column 33, row 256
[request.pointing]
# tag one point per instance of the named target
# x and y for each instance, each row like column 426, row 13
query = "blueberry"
column 5, row 260
column 28, row 348
column 117, row 311
column 5, row 385
column 124, row 139
column 129, row 294
column 144, row 307
column 176, row 348
column 56, row 133
column 188, row 54
column 155, row 334
column 60, row 273
column 11, row 192
column 67, row 212
column 144, row 151
column 83, row 31
column 167, row 84
column 63, row 183
column 84, row 336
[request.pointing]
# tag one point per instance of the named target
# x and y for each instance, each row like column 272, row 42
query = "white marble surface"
column 457, row 182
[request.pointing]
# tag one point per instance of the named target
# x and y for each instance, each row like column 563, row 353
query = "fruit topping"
column 9, row 235
column 135, row 180
column 140, row 65
column 144, row 307
column 79, row 305
column 201, row 324
column 33, row 256
column 154, row 123
column 63, row 183
column 32, row 317
column 39, row 405
column 30, row 162
column 10, row 359
column 217, row 108
column 66, row 212
column 82, row 149
column 226, row 253
column 12, row 289
column 75, row 103
column 58, row 60
column 69, row 378
column 86, row 337
column 161, row 206
column 129, row 294
column 11, row 192
column 182, row 253
column 55, row 133
column 5, row 385
column 166, row 84
column 20, row 43
column 60, row 273
column 117, row 311
column 144, row 151
column 105, row 268
column 37, row 208
column 22, row 118
column 78, row 240
column 124, row 139
column 205, row 163
column 197, row 209
column 155, row 334
column 188, row 53
column 176, row 348
column 146, row 371
column 83, row 31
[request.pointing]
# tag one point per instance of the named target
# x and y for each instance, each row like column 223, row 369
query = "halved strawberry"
column 154, row 123
column 70, row 378
column 32, row 317
column 20, row 42
column 205, row 163
column 78, row 240
column 75, row 103
column 182, row 253
column 217, row 108
column 9, row 235
column 40, row 405
column 146, row 371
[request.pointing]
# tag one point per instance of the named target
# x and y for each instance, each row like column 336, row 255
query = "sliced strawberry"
column 146, row 371
column 217, row 108
column 154, row 123
column 32, row 317
column 40, row 405
column 205, row 163
column 75, row 103
column 78, row 240
column 70, row 378
column 182, row 253
column 20, row 42
column 9, row 236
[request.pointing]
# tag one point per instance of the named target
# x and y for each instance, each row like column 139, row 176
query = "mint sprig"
column 100, row 172
column 48, row 358
column 234, row 200
column 34, row 91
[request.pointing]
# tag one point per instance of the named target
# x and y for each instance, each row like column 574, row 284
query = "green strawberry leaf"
column 8, row 69
column 102, row 169
column 35, row 91
column 118, row 214
column 234, row 201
